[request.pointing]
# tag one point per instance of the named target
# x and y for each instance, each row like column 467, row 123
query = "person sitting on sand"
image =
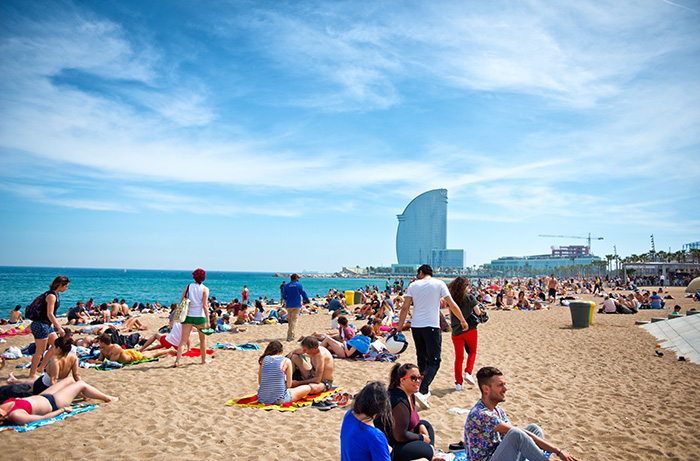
column 62, row 364
column 356, row 346
column 359, row 438
column 243, row 316
column 409, row 436
column 489, row 434
column 275, row 377
column 16, row 315
column 656, row 301
column 52, row 402
column 78, row 315
column 109, row 351
column 233, row 307
column 318, row 372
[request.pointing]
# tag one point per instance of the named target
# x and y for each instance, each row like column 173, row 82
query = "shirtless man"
column 319, row 373
column 552, row 286
column 109, row 351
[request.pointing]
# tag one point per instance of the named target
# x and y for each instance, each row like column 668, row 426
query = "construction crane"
column 575, row 237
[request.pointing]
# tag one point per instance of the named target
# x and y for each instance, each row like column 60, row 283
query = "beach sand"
column 600, row 393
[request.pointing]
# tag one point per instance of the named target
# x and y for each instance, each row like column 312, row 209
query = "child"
column 676, row 310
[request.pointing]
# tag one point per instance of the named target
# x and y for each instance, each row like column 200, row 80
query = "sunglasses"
column 413, row 378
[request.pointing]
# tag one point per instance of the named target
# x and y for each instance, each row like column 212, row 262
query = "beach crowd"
column 383, row 422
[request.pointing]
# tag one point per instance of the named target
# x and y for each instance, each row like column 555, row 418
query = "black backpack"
column 33, row 311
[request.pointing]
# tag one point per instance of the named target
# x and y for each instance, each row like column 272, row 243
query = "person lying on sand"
column 109, row 351
column 52, row 402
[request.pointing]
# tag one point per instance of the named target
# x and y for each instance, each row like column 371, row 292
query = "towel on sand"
column 80, row 408
column 252, row 401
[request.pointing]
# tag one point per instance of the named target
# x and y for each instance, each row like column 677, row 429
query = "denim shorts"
column 41, row 330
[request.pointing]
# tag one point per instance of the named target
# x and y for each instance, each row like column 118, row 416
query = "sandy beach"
column 600, row 393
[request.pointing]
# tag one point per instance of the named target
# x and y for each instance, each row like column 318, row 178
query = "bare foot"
column 204, row 362
column 12, row 379
column 176, row 364
column 112, row 399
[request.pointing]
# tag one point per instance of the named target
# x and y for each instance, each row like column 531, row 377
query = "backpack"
column 33, row 311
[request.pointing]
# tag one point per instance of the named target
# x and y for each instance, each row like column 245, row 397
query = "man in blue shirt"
column 292, row 294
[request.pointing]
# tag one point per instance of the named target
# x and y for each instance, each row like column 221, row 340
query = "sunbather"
column 52, row 402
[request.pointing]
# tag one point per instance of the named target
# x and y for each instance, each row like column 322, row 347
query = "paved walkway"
column 681, row 335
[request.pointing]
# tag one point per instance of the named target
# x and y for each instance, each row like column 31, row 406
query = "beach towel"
column 16, row 332
column 252, row 401
column 107, row 365
column 194, row 352
column 80, row 408
column 248, row 347
column 382, row 357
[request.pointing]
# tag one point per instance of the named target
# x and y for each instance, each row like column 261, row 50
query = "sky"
column 287, row 136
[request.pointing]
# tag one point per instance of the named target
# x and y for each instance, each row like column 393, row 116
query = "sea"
column 20, row 285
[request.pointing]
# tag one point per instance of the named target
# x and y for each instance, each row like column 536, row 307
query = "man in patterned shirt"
column 488, row 434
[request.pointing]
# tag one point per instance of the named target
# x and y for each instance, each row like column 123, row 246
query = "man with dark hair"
column 109, row 351
column 318, row 372
column 425, row 294
column 292, row 293
column 488, row 434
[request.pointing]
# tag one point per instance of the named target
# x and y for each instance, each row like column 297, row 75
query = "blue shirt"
column 362, row 442
column 292, row 294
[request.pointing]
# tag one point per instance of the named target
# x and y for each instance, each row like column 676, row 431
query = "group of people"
column 384, row 424
column 384, row 421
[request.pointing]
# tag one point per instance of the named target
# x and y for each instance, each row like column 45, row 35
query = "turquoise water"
column 20, row 285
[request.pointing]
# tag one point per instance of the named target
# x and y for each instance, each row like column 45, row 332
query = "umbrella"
column 494, row 287
column 693, row 286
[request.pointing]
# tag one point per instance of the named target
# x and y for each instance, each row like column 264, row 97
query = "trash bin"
column 349, row 296
column 581, row 313
column 358, row 297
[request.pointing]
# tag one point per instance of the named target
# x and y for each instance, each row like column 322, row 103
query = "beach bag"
column 180, row 313
column 33, row 311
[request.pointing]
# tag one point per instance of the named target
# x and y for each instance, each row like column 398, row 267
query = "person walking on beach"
column 292, row 294
column 197, row 314
column 552, row 284
column 488, row 434
column 464, row 340
column 43, row 326
column 425, row 294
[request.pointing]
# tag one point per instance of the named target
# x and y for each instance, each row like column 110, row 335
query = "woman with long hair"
column 359, row 438
column 275, row 377
column 61, row 365
column 197, row 314
column 464, row 340
column 409, row 436
column 43, row 326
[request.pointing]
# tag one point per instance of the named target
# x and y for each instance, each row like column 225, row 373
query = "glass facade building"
column 421, row 237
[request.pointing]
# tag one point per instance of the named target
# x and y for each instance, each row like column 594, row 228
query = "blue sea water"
column 20, row 285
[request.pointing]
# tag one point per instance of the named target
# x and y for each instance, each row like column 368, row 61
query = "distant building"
column 691, row 246
column 421, row 237
column 561, row 257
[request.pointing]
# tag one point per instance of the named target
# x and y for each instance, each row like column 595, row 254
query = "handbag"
column 473, row 319
column 180, row 313
column 484, row 317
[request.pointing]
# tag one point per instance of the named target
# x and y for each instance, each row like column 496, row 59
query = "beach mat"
column 16, row 332
column 194, row 352
column 79, row 408
column 252, row 401
column 102, row 366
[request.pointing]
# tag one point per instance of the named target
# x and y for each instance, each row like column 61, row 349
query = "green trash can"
column 581, row 313
column 358, row 297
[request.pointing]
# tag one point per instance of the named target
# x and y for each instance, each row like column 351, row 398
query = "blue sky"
column 283, row 136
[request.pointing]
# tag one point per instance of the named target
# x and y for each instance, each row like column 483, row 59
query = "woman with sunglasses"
column 409, row 436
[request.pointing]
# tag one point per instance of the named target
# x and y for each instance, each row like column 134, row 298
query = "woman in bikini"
column 61, row 365
column 52, row 402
